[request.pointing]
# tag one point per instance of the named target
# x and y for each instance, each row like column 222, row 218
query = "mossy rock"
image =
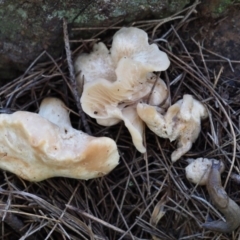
column 29, row 27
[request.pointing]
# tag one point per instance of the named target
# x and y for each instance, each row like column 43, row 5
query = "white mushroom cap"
column 36, row 148
column 181, row 122
column 127, row 42
column 132, row 42
column 97, row 64
column 198, row 170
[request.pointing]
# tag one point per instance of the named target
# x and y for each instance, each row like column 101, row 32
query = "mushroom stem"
column 220, row 199
column 55, row 111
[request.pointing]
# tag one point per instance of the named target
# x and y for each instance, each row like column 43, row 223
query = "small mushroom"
column 181, row 122
column 198, row 170
column 222, row 202
column 39, row 146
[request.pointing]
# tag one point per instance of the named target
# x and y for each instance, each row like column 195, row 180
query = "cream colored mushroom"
column 115, row 82
column 198, row 170
column 40, row 146
column 181, row 122
column 97, row 64
column 159, row 95
column 132, row 43
column 109, row 101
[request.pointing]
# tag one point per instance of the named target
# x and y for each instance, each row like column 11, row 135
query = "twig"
column 218, row 55
column 64, row 211
column 218, row 76
column 13, row 221
column 106, row 224
column 73, row 79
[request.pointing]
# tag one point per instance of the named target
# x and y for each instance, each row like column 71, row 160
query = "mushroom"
column 39, row 146
column 181, row 122
column 222, row 202
column 198, row 170
column 132, row 43
column 115, row 81
column 127, row 43
column 109, row 101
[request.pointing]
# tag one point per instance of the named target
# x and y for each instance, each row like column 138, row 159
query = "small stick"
column 70, row 200
column 13, row 221
column 106, row 224
column 73, row 79
column 218, row 55
column 218, row 76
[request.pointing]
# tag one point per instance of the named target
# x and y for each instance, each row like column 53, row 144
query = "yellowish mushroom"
column 40, row 146
column 181, row 122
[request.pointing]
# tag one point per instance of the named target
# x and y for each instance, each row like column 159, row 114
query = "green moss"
column 222, row 6
column 28, row 26
column 1, row 13
column 117, row 13
column 100, row 17
column 69, row 14
column 175, row 4
column 9, row 28
column 44, row 8
column 11, row 7
column 22, row 13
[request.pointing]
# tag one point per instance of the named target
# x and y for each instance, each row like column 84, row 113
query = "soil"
column 221, row 36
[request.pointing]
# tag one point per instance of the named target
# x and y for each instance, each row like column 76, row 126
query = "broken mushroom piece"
column 198, row 170
column 40, row 146
column 222, row 202
column 181, row 122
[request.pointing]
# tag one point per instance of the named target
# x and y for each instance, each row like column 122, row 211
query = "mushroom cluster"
column 115, row 80
column 39, row 146
column 120, row 84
